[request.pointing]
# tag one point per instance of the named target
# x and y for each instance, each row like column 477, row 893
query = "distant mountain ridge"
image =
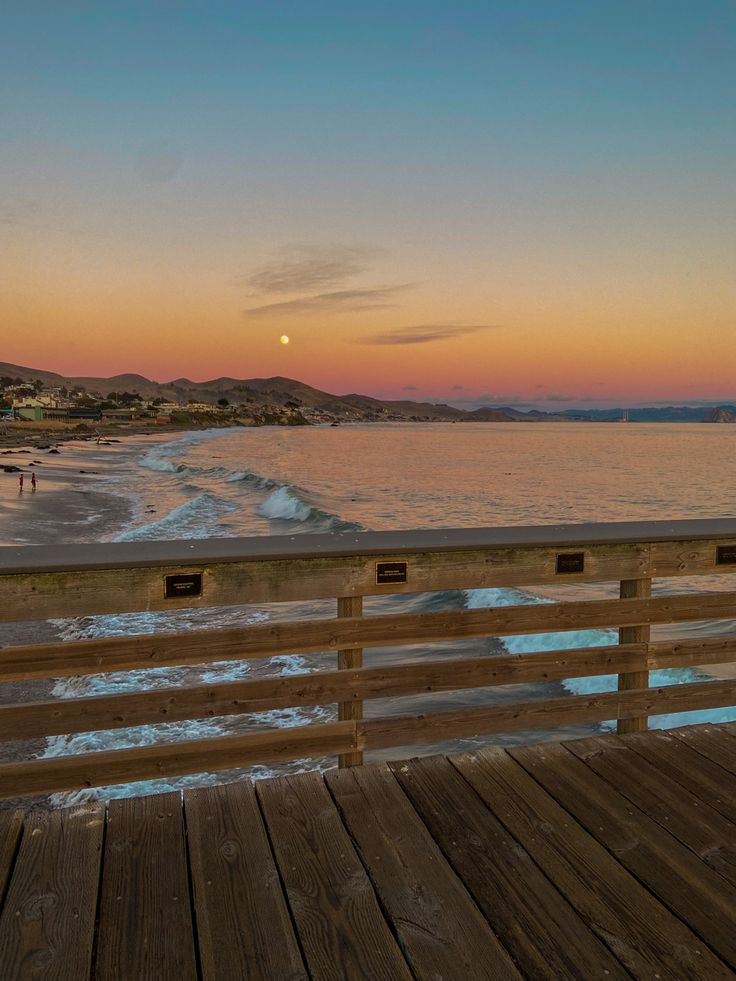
column 278, row 391
column 646, row 413
column 282, row 391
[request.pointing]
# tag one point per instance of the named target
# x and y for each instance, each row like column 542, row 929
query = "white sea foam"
column 196, row 518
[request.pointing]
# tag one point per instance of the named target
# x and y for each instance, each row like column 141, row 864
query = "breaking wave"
column 197, row 518
column 285, row 504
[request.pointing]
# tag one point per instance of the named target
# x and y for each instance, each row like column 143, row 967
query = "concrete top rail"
column 30, row 559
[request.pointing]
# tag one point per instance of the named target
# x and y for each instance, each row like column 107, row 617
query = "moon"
column 284, row 339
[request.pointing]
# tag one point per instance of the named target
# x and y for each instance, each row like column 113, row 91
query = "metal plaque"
column 568, row 562
column 726, row 554
column 390, row 572
column 185, row 584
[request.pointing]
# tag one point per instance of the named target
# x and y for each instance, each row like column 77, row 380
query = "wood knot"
column 37, row 906
column 229, row 850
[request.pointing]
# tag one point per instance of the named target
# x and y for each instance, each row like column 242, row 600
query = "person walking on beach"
column 33, row 481
column 20, row 483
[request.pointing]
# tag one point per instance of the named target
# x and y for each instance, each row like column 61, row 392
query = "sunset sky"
column 525, row 202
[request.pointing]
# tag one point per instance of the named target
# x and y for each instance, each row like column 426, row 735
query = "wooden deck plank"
column 441, row 931
column 648, row 939
column 529, row 915
column 713, row 742
column 145, row 915
column 342, row 930
column 710, row 782
column 47, row 924
column 11, row 826
column 693, row 822
column 685, row 884
column 242, row 918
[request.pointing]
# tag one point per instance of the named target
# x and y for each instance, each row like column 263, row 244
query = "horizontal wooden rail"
column 271, row 639
column 38, row 583
column 111, row 767
column 545, row 713
column 44, row 583
column 210, row 755
column 88, row 714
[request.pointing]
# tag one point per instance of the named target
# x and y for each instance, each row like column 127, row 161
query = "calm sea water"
column 274, row 481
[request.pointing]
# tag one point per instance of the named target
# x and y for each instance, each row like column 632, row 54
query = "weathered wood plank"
column 710, row 835
column 531, row 918
column 684, row 653
column 11, row 825
column 173, row 759
column 542, row 713
column 47, row 924
column 711, row 742
column 689, row 888
column 242, row 919
column 671, row 756
column 145, row 927
column 688, row 557
column 269, row 639
column 646, row 937
column 441, row 931
column 38, row 595
column 351, row 658
column 634, row 589
column 342, row 930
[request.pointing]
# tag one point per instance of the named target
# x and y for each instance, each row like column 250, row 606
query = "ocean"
column 278, row 481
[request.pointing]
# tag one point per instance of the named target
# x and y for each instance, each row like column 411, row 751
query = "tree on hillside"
column 223, row 403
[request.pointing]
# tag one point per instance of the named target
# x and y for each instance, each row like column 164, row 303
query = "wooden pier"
column 607, row 857
column 611, row 857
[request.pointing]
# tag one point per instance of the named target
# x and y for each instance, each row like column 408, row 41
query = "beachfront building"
column 120, row 415
column 40, row 413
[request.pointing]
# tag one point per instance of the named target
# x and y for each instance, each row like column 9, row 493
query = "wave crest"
column 285, row 504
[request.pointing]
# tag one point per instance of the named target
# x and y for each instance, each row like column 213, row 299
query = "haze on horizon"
column 521, row 204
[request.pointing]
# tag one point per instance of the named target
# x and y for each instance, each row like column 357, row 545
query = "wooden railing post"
column 350, row 606
column 634, row 589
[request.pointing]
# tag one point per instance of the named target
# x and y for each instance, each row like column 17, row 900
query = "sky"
column 517, row 203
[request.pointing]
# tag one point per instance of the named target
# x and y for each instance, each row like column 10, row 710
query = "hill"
column 259, row 392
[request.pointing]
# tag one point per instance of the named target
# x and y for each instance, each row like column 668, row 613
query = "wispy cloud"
column 302, row 268
column 458, row 388
column 410, row 388
column 340, row 301
column 425, row 334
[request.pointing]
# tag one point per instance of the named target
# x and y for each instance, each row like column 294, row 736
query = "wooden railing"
column 40, row 583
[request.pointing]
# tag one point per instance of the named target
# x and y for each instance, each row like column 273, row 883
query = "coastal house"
column 202, row 407
column 119, row 414
column 37, row 401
